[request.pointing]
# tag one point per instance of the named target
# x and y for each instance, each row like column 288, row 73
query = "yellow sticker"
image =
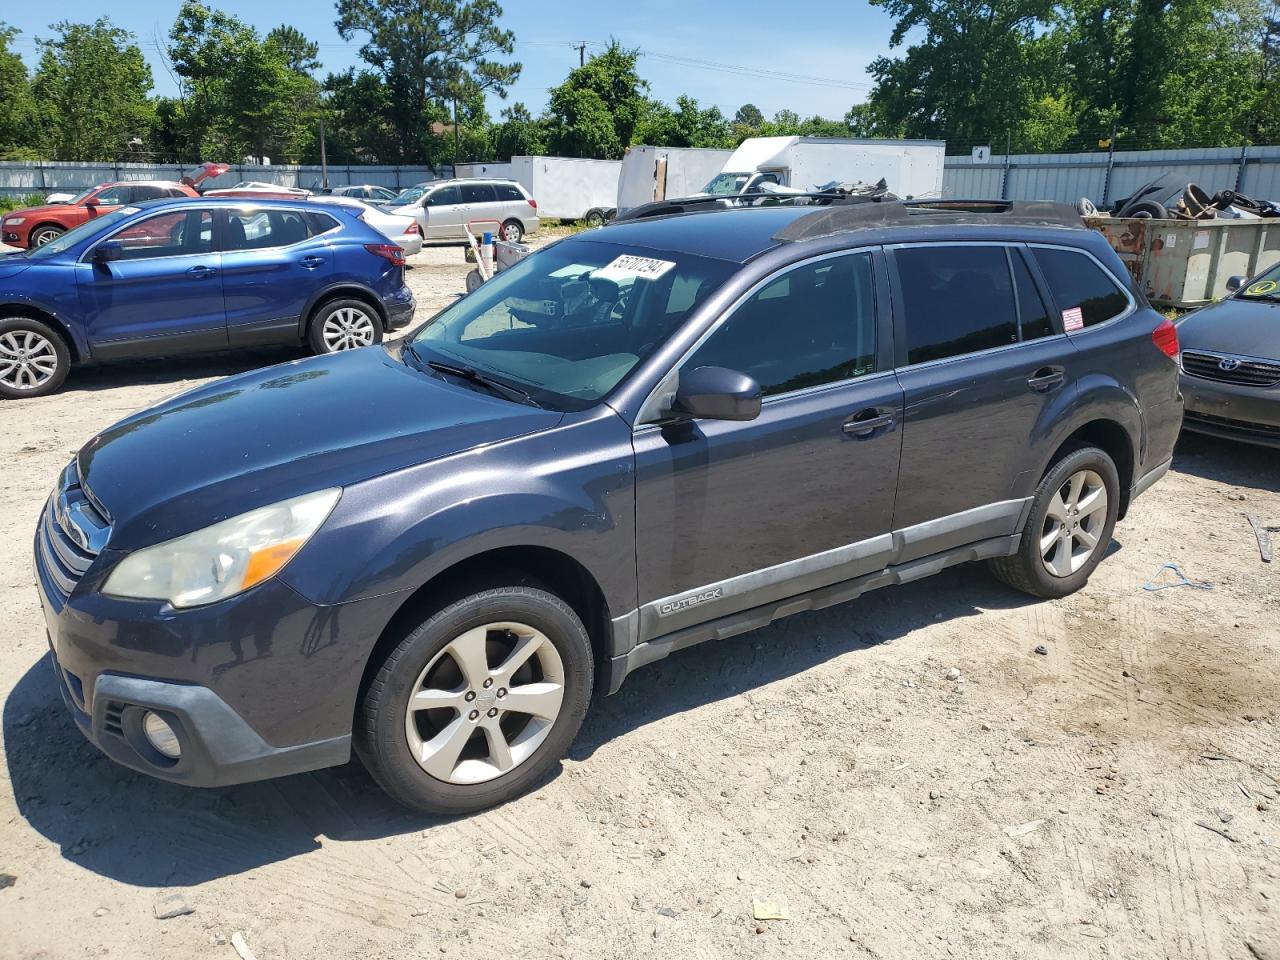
column 1262, row 288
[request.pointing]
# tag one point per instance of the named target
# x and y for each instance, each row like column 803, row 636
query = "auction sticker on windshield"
column 628, row 267
column 1261, row 288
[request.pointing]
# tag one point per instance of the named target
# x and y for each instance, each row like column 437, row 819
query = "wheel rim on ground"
column 27, row 360
column 484, row 704
column 1074, row 523
column 346, row 329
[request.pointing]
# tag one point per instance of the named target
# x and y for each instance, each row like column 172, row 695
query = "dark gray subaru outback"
column 673, row 429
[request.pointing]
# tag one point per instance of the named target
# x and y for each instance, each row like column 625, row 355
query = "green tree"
column 520, row 134
column 17, row 109
column 429, row 53
column 358, row 118
column 90, row 91
column 594, row 113
column 686, row 126
column 300, row 54
column 749, row 115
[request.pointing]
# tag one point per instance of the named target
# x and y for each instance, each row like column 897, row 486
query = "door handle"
column 1046, row 379
column 866, row 424
column 201, row 272
column 311, row 262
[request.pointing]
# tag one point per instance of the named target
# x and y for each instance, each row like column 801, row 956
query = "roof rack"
column 844, row 211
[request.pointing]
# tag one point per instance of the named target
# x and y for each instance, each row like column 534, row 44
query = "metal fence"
column 1106, row 176
column 19, row 178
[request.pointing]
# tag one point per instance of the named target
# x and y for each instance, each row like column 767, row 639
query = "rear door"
column 164, row 294
column 273, row 262
column 445, row 213
column 982, row 364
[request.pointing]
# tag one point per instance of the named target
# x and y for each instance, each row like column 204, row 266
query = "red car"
column 36, row 226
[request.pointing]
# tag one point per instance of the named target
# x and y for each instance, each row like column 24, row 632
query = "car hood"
column 261, row 437
column 49, row 209
column 1249, row 328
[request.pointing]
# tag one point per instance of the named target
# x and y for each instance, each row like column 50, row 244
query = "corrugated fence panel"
column 1069, row 176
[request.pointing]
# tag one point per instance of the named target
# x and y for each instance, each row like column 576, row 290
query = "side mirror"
column 714, row 393
column 1235, row 283
column 107, row 251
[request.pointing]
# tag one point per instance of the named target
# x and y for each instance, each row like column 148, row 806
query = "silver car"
column 443, row 208
column 368, row 192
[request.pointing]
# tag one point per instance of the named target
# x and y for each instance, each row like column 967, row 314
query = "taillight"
column 532, row 202
column 412, row 228
column 1165, row 336
column 387, row 251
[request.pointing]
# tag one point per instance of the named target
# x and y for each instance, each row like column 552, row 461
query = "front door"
column 272, row 265
column 445, row 213
column 731, row 515
column 163, row 295
column 981, row 362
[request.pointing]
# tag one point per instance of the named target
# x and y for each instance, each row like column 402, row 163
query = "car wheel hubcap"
column 347, row 329
column 511, row 232
column 485, row 703
column 44, row 236
column 27, row 360
column 1073, row 523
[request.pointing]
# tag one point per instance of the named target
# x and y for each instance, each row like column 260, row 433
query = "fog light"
column 161, row 735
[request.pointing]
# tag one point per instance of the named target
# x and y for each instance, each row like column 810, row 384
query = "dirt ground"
column 1118, row 796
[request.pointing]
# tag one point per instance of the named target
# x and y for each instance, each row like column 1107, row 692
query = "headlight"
column 224, row 559
column 14, row 222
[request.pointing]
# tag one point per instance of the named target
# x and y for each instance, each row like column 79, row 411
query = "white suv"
column 443, row 208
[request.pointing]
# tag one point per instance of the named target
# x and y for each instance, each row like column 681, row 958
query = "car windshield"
column 568, row 323
column 73, row 236
column 410, row 195
column 726, row 184
column 1264, row 287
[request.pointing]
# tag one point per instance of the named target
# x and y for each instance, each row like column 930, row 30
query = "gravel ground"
column 903, row 772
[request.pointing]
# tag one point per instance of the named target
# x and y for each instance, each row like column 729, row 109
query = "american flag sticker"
column 1072, row 319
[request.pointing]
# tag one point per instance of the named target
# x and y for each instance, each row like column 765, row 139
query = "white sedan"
column 400, row 230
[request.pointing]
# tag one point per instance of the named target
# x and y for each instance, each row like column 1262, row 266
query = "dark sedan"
column 1231, row 363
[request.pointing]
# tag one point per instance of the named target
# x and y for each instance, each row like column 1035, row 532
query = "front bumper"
column 261, row 685
column 400, row 308
column 1232, row 411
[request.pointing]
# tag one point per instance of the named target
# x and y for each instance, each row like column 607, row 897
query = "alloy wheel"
column 485, row 703
column 346, row 329
column 1073, row 523
column 27, row 360
column 511, row 232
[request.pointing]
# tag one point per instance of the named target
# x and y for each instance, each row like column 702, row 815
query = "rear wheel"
column 42, row 235
column 344, row 325
column 594, row 218
column 512, row 231
column 478, row 702
column 1069, row 528
column 34, row 360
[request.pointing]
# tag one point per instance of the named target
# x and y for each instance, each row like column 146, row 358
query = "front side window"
column 443, row 197
column 813, row 325
column 257, row 229
column 955, row 300
column 478, row 193
column 568, row 323
column 1085, row 293
column 114, row 195
column 171, row 234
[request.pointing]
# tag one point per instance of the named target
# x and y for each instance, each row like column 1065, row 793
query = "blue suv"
column 672, row 429
column 176, row 276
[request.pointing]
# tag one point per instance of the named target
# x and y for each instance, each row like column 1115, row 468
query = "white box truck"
column 568, row 188
column 910, row 168
column 656, row 173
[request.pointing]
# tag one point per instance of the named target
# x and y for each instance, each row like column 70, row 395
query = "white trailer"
column 910, row 168
column 657, row 173
column 500, row 171
column 568, row 188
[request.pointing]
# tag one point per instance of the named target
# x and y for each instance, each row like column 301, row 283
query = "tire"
column 1029, row 570
column 1146, row 210
column 474, row 280
column 512, row 231
column 430, row 660
column 42, row 235
column 344, row 324
column 594, row 218
column 34, row 359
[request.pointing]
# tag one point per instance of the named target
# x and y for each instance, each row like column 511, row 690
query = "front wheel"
column 43, row 235
column 344, row 325
column 1069, row 528
column 512, row 231
column 34, row 360
column 478, row 702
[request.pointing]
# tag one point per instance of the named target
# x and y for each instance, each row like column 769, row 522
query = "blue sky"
column 825, row 54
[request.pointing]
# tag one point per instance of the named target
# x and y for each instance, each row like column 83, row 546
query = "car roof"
column 267, row 203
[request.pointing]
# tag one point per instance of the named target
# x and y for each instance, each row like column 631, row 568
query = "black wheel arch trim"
column 26, row 306
column 337, row 289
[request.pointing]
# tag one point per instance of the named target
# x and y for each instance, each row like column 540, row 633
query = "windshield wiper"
column 472, row 375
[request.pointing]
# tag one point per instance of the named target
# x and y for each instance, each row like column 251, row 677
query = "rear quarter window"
column 508, row 191
column 1079, row 284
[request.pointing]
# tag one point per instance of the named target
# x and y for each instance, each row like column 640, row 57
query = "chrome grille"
column 72, row 532
column 1227, row 368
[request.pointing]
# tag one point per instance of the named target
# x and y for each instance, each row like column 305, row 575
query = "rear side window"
column 257, row 229
column 322, row 222
column 956, row 300
column 1085, row 293
column 477, row 193
column 1033, row 315
column 508, row 191
column 145, row 191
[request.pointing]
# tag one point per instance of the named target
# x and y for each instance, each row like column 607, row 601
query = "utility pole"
column 582, row 53
column 324, row 160
column 455, row 135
